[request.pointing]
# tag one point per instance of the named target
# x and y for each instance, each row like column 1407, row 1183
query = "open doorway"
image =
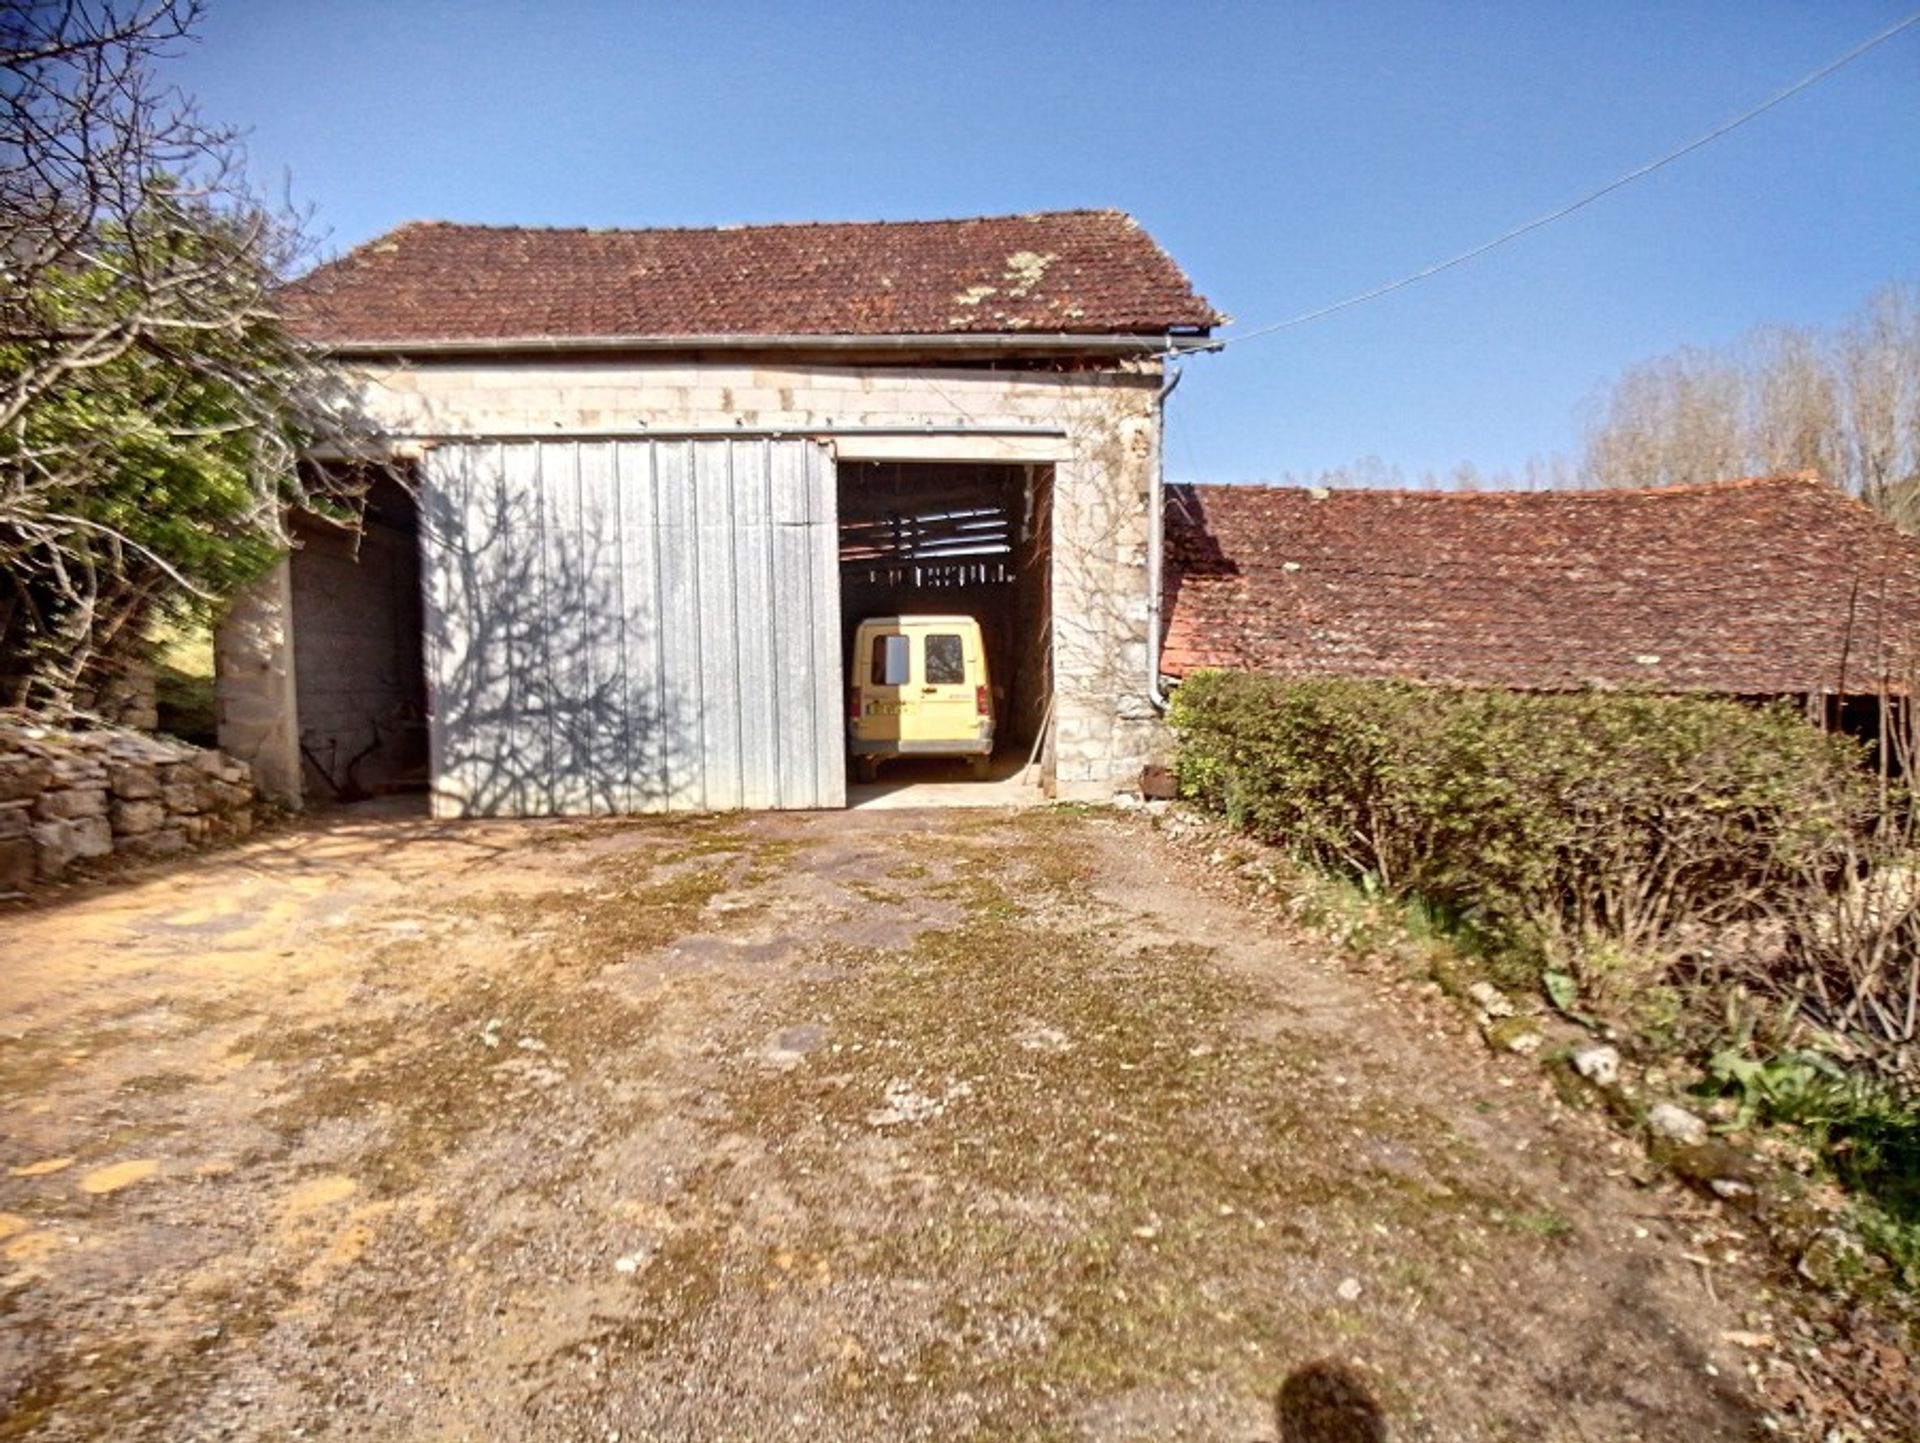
column 360, row 683
column 967, row 539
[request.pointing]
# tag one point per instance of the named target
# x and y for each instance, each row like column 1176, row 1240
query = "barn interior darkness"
column 957, row 539
column 359, row 672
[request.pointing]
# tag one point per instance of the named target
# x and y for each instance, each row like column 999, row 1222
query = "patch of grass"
column 1117, row 1169
column 431, row 1078
column 1543, row 1222
column 1108, row 1124
column 982, row 898
column 1417, row 1278
column 431, row 1074
column 767, row 860
column 31, row 1065
column 1053, row 849
column 115, row 1387
column 34, row 1062
column 66, row 1387
column 159, row 1084
column 613, row 917
column 712, row 840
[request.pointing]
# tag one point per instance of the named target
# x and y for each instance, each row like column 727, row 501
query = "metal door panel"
column 632, row 625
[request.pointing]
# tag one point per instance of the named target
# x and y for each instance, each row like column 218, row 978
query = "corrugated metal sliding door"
column 632, row 626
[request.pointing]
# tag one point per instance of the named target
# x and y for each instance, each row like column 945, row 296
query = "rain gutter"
column 996, row 341
column 642, row 432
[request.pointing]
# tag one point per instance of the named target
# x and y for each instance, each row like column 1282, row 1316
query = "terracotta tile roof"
column 1755, row 587
column 1094, row 272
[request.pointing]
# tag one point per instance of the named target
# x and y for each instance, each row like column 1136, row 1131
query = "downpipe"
column 1157, row 541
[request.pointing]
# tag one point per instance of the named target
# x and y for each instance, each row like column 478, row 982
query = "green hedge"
column 1557, row 820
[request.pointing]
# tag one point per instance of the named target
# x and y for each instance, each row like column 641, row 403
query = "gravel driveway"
column 885, row 1125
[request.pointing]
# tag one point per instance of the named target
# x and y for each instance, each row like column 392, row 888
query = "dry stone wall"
column 128, row 697
column 69, row 797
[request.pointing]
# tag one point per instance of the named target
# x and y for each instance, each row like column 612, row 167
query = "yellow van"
column 919, row 688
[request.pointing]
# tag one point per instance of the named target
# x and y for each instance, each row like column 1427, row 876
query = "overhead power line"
column 1586, row 200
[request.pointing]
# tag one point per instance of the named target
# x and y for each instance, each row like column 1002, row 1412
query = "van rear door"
column 886, row 692
column 948, row 670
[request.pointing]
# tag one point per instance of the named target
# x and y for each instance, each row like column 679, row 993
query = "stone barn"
column 652, row 479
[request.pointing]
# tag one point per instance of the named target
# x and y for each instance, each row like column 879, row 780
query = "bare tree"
column 1371, row 473
column 153, row 409
column 1845, row 403
column 1794, row 420
column 1877, row 358
column 1673, row 419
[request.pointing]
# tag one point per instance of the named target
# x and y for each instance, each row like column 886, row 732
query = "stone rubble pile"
column 75, row 796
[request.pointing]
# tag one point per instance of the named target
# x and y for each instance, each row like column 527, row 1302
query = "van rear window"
column 889, row 661
column 946, row 661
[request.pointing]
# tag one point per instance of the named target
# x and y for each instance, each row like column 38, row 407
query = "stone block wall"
column 254, row 683
column 72, row 797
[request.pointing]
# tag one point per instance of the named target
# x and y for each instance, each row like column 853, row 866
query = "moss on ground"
column 1119, row 1172
column 430, row 1078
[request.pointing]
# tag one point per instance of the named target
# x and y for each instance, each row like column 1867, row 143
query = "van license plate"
column 885, row 708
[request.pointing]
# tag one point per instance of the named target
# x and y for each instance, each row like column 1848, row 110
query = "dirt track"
column 859, row 1126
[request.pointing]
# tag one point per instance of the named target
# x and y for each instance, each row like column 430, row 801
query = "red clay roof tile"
column 1757, row 587
column 1089, row 272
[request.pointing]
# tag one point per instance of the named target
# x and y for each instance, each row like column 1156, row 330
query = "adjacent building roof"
column 1756, row 587
column 1090, row 272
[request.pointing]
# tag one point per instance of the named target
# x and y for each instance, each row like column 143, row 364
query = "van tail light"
column 980, row 701
column 853, row 704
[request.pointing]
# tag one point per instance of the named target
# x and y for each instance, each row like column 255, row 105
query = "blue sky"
column 1286, row 154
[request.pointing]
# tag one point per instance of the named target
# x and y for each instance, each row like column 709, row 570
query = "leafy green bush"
column 1590, row 828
